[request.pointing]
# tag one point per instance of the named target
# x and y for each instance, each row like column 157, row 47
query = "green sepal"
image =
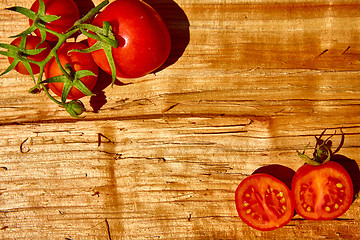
column 28, row 31
column 24, row 11
column 65, row 92
column 49, row 18
column 20, row 54
column 9, row 47
column 7, row 53
column 35, row 89
column 79, row 84
column 322, row 153
column 105, row 40
column 56, row 79
column 11, row 67
column 39, row 20
column 68, row 84
column 42, row 15
column 307, row 159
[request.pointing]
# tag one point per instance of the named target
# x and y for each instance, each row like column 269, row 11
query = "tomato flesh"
column 322, row 192
column 263, row 202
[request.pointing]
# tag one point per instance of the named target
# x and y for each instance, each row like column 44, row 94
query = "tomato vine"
column 105, row 41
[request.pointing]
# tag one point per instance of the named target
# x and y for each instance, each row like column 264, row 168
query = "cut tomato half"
column 264, row 202
column 322, row 192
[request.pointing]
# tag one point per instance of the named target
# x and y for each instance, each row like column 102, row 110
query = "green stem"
column 63, row 70
column 69, row 33
column 50, row 96
column 42, row 27
column 79, row 25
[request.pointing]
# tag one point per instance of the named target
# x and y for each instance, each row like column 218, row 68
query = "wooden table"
column 247, row 84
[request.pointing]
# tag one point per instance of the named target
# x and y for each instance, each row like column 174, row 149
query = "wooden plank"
column 247, row 84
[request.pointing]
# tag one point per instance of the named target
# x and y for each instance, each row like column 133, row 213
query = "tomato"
column 78, row 61
column 31, row 43
column 322, row 192
column 144, row 40
column 65, row 9
column 84, row 6
column 264, row 202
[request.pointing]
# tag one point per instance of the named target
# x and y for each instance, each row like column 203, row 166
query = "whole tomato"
column 78, row 61
column 144, row 40
column 65, row 9
column 31, row 43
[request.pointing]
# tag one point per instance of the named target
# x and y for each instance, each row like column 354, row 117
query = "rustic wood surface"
column 247, row 84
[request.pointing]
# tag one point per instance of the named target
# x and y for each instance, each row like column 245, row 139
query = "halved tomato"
column 322, row 192
column 264, row 202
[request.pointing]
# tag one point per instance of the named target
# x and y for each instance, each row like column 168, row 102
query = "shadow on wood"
column 99, row 98
column 352, row 168
column 178, row 26
column 283, row 173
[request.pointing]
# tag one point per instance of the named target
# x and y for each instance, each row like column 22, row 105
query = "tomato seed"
column 327, row 209
column 339, row 185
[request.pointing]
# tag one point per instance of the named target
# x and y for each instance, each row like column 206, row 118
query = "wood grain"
column 247, row 84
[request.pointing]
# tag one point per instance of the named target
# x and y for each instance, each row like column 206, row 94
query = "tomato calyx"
column 39, row 20
column 20, row 54
column 71, row 79
column 322, row 153
column 106, row 41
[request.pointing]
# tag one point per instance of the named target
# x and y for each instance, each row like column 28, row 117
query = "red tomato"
column 264, row 202
column 84, row 6
column 144, row 40
column 78, row 61
column 65, row 9
column 31, row 43
column 322, row 192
